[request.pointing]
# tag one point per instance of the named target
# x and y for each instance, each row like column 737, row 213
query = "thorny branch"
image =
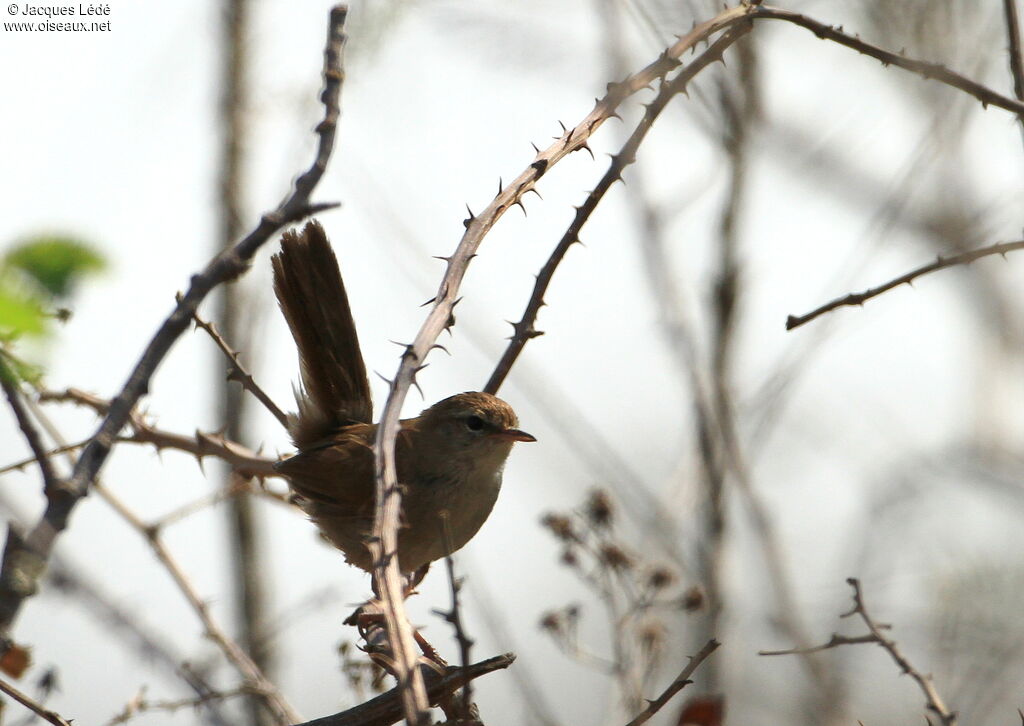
column 238, row 373
column 200, row 445
column 677, row 685
column 925, row 69
column 524, row 330
column 388, row 497
column 875, row 635
column 29, row 555
column 941, row 263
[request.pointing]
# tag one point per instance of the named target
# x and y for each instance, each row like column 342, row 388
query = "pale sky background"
column 111, row 136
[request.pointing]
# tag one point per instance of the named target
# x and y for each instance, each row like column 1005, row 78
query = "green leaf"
column 55, row 262
column 14, row 370
column 19, row 316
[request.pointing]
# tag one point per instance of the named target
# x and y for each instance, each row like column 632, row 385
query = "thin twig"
column 524, row 330
column 925, row 69
column 51, row 480
column 383, row 543
column 464, row 703
column 681, row 681
column 238, row 373
column 22, row 463
column 40, row 710
column 875, row 635
column 281, row 710
column 139, row 704
column 34, row 550
column 859, row 298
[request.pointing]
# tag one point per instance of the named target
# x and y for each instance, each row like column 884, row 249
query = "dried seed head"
column 615, row 558
column 693, row 599
column 551, row 621
column 560, row 526
column 660, row 578
column 652, row 636
column 599, row 508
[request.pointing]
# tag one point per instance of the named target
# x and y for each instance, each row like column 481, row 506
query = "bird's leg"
column 414, row 579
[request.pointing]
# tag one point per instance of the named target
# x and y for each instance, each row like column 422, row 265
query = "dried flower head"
column 614, row 557
column 599, row 508
column 660, row 578
column 551, row 621
column 560, row 526
column 693, row 599
column 652, row 636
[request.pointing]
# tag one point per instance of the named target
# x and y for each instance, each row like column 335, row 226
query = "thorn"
column 471, row 215
column 535, row 147
column 586, row 146
column 391, row 383
column 442, row 258
column 519, row 203
column 440, row 347
column 501, row 186
column 531, row 189
column 564, row 129
column 428, row 302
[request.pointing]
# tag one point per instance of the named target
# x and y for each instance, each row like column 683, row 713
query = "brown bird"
column 450, row 458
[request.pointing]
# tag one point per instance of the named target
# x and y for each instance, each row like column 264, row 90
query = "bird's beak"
column 513, row 435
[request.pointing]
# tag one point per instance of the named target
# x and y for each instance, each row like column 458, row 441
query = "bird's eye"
column 474, row 423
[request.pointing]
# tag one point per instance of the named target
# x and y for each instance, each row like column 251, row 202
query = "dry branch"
column 240, row 458
column 875, row 635
column 925, row 69
column 681, row 681
column 237, row 371
column 941, row 263
column 37, row 708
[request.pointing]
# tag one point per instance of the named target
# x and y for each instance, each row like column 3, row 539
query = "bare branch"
column 40, row 710
column 238, row 373
column 681, row 681
column 33, row 552
column 859, row 298
column 875, row 635
column 200, row 445
column 925, row 69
